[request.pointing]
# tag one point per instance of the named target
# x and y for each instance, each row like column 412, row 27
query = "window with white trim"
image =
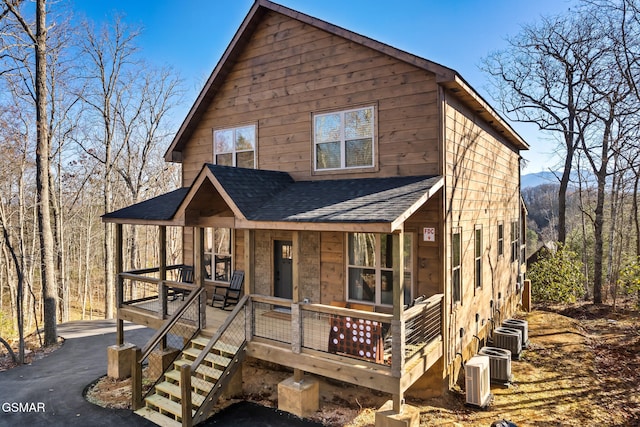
column 500, row 239
column 343, row 139
column 371, row 264
column 218, row 254
column 235, row 146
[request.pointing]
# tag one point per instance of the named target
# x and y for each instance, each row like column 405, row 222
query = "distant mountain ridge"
column 549, row 177
column 539, row 178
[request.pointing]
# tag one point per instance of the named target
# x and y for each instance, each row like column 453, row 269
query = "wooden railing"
column 183, row 325
column 324, row 328
column 145, row 289
column 233, row 332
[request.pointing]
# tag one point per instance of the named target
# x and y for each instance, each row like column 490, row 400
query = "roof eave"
column 479, row 106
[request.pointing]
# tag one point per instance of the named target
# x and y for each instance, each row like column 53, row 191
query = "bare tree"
column 108, row 53
column 38, row 40
column 540, row 78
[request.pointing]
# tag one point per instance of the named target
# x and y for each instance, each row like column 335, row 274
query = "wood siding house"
column 352, row 183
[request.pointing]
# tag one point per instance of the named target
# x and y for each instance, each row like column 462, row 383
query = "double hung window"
column 371, row 259
column 343, row 139
column 218, row 254
column 456, row 258
column 235, row 146
column 478, row 256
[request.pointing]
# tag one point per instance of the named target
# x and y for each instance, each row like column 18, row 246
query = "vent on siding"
column 499, row 364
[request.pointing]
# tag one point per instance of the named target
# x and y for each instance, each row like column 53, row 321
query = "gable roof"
column 446, row 77
column 268, row 196
column 270, row 199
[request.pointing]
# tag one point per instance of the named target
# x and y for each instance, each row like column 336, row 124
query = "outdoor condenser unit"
column 523, row 325
column 508, row 338
column 499, row 364
column 476, row 372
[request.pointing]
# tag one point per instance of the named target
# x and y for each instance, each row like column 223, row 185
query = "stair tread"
column 165, row 404
column 157, row 418
column 220, row 346
column 211, row 358
column 175, row 390
column 196, row 382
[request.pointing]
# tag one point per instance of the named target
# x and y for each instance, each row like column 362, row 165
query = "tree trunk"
column 49, row 291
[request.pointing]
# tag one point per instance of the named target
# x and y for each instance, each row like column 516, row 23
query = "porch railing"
column 177, row 330
column 423, row 324
column 343, row 332
column 145, row 289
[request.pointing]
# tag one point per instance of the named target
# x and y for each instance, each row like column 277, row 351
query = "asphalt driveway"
column 50, row 391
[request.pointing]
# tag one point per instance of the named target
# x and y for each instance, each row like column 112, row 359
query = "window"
column 500, row 239
column 514, row 241
column 218, row 254
column 235, row 147
column 370, row 267
column 456, row 255
column 478, row 256
column 344, row 139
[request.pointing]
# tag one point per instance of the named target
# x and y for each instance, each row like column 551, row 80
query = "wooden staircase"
column 164, row 404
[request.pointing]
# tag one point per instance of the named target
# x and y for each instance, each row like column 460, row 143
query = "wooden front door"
column 282, row 269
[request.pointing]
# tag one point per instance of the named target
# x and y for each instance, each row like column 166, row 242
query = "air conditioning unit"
column 499, row 364
column 523, row 325
column 476, row 372
column 508, row 338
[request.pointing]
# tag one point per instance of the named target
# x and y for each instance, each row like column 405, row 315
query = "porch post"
column 397, row 324
column 120, row 285
column 162, row 268
column 249, row 261
column 198, row 266
column 296, row 336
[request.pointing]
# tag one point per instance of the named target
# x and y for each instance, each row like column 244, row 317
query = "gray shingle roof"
column 160, row 208
column 274, row 196
column 262, row 195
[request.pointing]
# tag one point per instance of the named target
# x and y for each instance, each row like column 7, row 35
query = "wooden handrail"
column 221, row 330
column 348, row 312
column 168, row 324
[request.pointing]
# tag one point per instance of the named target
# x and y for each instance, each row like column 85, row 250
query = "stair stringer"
column 204, row 411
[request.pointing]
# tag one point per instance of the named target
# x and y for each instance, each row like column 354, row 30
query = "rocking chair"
column 185, row 275
column 228, row 295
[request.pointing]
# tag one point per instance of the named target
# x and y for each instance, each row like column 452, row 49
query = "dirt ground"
column 581, row 369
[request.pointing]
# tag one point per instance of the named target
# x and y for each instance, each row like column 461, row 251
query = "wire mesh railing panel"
column 271, row 321
column 315, row 330
column 174, row 341
column 138, row 292
column 423, row 328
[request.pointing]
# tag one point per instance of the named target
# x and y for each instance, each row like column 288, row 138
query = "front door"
column 283, row 258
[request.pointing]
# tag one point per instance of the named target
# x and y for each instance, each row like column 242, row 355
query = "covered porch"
column 319, row 327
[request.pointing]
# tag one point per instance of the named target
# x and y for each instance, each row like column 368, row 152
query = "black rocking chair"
column 228, row 295
column 185, row 275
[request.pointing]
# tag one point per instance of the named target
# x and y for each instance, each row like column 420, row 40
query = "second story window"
column 235, row 147
column 343, row 139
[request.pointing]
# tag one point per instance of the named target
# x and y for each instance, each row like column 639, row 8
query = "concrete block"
column 386, row 417
column 119, row 361
column 299, row 398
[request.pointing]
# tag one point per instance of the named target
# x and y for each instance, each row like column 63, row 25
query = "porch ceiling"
column 273, row 200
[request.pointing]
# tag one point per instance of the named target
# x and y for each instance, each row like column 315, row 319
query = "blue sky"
column 191, row 35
